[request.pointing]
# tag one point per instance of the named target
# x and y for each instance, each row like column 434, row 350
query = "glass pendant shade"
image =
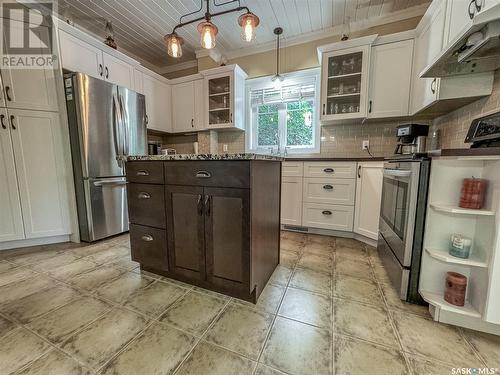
column 248, row 23
column 174, row 45
column 207, row 31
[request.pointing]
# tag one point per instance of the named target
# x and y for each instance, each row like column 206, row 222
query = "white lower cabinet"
column 368, row 198
column 41, row 199
column 329, row 190
column 291, row 202
column 328, row 216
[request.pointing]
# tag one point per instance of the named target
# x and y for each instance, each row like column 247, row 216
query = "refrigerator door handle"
column 116, row 135
column 111, row 181
column 124, row 126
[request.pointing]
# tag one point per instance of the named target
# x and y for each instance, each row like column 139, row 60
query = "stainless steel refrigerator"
column 107, row 123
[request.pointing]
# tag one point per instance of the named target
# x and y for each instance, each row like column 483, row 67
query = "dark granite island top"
column 205, row 220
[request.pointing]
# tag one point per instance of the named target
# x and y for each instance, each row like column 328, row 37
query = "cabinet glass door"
column 343, row 93
column 219, row 100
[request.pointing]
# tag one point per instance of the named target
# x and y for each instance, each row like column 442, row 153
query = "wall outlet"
column 366, row 145
column 224, row 148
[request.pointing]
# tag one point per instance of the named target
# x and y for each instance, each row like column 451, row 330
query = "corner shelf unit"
column 443, row 218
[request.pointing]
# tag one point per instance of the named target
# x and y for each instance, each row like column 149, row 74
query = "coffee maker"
column 411, row 139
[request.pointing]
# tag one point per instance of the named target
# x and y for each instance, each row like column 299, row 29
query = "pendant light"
column 208, row 31
column 278, row 78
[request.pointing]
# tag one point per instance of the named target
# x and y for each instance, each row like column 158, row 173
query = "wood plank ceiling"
column 140, row 25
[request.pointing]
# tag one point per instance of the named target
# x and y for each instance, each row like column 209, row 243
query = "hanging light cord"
column 278, row 55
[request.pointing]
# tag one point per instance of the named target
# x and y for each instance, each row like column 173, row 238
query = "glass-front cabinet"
column 224, row 90
column 344, row 84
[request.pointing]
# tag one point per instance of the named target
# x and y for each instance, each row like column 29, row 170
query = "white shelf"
column 343, row 95
column 448, row 208
column 345, row 75
column 220, row 93
column 218, row 109
column 444, row 256
column 438, row 301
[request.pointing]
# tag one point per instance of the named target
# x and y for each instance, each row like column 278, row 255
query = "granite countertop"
column 242, row 156
column 333, row 158
column 481, row 151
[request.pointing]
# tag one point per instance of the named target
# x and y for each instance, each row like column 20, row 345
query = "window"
column 285, row 116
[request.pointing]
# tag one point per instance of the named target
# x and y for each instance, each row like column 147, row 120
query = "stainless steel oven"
column 402, row 216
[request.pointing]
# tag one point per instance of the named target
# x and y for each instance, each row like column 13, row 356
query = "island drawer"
column 146, row 205
column 149, row 246
column 145, row 172
column 330, row 169
column 328, row 216
column 329, row 190
column 208, row 173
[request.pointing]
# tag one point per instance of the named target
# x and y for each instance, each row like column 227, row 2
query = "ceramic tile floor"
column 328, row 309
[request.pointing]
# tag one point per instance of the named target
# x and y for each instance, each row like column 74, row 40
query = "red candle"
column 455, row 287
column 473, row 192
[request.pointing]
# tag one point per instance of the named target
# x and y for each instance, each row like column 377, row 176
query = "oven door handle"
column 396, row 173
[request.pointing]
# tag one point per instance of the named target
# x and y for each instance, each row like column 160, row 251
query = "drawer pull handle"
column 142, row 173
column 147, row 238
column 328, row 170
column 143, row 195
column 327, row 212
column 203, row 174
column 327, row 187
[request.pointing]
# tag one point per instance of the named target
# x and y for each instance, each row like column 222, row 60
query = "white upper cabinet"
column 459, row 14
column 79, row 56
column 29, row 88
column 183, row 100
column 344, row 78
column 390, row 79
column 38, row 150
column 11, row 221
column 368, row 198
column 118, row 71
column 158, row 103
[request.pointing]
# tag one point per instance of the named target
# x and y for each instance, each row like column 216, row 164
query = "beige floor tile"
column 353, row 357
column 313, row 281
column 53, row 262
column 208, row 359
column 59, row 324
column 356, row 268
column 6, row 266
column 487, row 345
column 154, row 299
column 94, row 279
column 266, row 370
column 381, row 274
column 298, row 348
column 15, row 274
column 32, row 257
column 6, row 325
column 269, row 299
column 241, row 330
column 319, row 249
column 281, row 275
column 342, row 242
column 37, row 304
column 71, row 270
column 289, row 258
column 353, row 253
column 371, row 323
column 194, row 312
column 109, row 255
column 97, row 342
column 120, row 289
column 307, row 307
column 316, row 262
column 158, row 350
column 18, row 348
column 319, row 239
column 395, row 303
column 86, row 250
column 423, row 366
column 18, row 290
column 296, row 236
column 362, row 290
column 291, row 245
column 434, row 340
column 126, row 263
column 55, row 363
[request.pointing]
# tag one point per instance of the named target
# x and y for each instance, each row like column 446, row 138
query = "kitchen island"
column 207, row 220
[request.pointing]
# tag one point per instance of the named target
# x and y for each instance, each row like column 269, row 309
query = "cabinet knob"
column 192, row 123
column 433, row 85
column 100, row 70
column 328, row 187
column 142, row 173
column 327, row 212
column 147, row 119
column 147, row 238
column 324, row 107
column 143, row 195
column 2, row 118
column 370, row 107
column 472, row 5
column 328, row 170
column 7, row 93
column 203, row 174
column 359, row 171
column 107, row 72
column 12, row 125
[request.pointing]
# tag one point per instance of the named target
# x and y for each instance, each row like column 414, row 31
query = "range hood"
column 475, row 50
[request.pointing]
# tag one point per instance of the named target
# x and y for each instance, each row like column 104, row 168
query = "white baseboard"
column 33, row 242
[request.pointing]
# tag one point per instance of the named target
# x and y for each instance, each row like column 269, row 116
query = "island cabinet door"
column 227, row 236
column 185, row 231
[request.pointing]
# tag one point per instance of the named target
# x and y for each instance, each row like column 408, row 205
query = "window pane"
column 267, row 125
column 299, row 123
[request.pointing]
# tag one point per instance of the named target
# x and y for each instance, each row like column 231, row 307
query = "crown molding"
column 401, row 15
column 176, row 67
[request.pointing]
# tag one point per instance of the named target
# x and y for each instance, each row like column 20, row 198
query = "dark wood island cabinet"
column 212, row 223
